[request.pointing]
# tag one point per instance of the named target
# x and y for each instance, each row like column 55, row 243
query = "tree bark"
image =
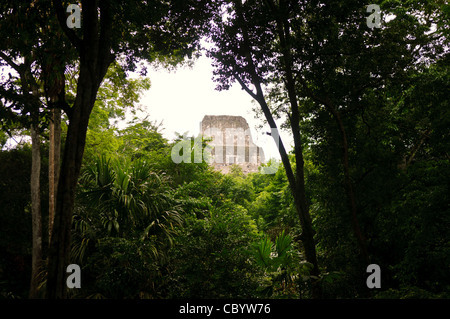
column 53, row 165
column 36, row 254
column 59, row 252
column 29, row 84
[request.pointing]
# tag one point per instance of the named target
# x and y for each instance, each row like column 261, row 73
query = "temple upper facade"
column 231, row 143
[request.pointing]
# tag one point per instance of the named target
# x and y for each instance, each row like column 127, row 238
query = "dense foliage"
column 374, row 118
column 139, row 231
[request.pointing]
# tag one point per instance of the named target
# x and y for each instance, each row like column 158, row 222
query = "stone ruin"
column 231, row 143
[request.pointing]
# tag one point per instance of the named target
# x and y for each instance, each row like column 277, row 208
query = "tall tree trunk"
column 91, row 75
column 59, row 252
column 299, row 191
column 36, row 254
column 53, row 165
column 297, row 187
column 284, row 30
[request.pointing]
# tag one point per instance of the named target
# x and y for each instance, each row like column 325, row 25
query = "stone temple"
column 231, row 143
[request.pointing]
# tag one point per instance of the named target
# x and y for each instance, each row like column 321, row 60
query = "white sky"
column 181, row 99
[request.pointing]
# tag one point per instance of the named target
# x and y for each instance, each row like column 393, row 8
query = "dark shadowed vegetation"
column 366, row 181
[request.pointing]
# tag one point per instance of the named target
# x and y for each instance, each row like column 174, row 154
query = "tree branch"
column 10, row 62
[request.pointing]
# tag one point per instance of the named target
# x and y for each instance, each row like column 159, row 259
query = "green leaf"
column 283, row 244
column 263, row 252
